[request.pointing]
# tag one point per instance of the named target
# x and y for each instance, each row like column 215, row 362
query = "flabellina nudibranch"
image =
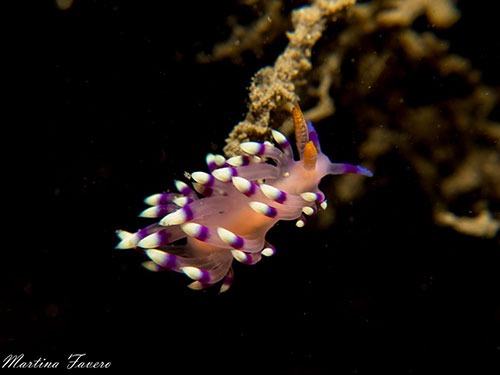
column 241, row 199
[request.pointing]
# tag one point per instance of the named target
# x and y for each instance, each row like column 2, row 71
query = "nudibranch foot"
column 226, row 214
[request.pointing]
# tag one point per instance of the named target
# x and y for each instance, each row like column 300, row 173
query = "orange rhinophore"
column 310, row 156
column 301, row 131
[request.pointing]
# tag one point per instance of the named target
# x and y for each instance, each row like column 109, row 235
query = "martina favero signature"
column 74, row 361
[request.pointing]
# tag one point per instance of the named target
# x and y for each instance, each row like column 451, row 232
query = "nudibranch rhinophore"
column 241, row 199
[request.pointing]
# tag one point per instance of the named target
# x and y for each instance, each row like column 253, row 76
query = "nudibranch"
column 228, row 212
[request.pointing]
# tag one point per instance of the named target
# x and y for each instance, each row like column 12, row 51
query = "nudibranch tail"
column 227, row 213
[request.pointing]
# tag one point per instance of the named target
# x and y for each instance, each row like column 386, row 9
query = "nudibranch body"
column 241, row 199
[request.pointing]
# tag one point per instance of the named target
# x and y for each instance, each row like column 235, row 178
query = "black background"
column 124, row 110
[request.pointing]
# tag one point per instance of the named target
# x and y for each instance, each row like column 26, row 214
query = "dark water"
column 129, row 110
